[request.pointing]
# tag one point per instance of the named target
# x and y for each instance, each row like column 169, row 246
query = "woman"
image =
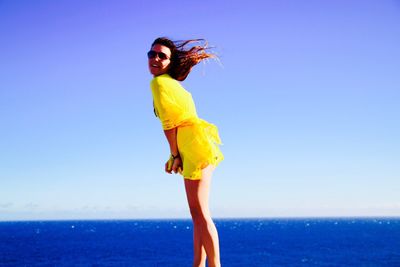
column 193, row 142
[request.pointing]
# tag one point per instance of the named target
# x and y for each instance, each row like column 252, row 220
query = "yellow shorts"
column 198, row 147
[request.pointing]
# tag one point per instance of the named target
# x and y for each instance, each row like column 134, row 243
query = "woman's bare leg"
column 205, row 232
column 199, row 251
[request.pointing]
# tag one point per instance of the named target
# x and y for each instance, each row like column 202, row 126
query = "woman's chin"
column 155, row 71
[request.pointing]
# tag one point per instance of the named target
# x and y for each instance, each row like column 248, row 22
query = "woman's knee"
column 199, row 214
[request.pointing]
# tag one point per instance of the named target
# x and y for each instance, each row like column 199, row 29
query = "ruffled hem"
column 196, row 175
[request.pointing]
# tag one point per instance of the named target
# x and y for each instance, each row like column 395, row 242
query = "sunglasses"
column 160, row 55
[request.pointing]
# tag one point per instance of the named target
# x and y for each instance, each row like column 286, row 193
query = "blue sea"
column 243, row 242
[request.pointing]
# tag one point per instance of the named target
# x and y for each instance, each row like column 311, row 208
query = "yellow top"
column 197, row 139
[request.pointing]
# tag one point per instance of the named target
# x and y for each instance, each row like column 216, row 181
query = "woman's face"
column 159, row 59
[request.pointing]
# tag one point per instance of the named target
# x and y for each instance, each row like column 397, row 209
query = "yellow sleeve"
column 166, row 103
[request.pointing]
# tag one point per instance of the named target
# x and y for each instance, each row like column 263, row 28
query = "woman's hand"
column 173, row 165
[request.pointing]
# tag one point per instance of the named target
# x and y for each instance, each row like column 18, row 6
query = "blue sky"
column 306, row 97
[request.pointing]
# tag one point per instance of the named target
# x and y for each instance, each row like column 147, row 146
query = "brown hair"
column 184, row 58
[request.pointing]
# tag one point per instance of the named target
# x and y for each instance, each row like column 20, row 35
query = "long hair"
column 184, row 55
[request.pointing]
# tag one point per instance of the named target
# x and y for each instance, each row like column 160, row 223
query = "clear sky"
column 306, row 98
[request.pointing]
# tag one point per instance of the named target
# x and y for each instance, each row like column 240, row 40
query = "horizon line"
column 355, row 217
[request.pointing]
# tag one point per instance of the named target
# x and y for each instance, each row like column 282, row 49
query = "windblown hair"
column 184, row 55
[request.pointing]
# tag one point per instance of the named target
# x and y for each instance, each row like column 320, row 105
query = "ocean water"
column 243, row 242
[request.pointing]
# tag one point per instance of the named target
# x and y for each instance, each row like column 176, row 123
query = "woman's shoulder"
column 161, row 79
column 164, row 81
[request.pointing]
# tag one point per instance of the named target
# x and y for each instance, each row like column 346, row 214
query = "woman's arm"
column 174, row 164
column 171, row 137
